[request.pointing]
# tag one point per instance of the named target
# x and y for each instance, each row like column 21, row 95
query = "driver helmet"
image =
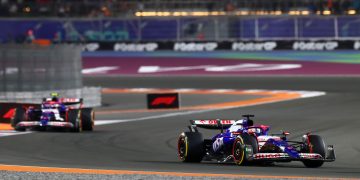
column 54, row 96
column 238, row 125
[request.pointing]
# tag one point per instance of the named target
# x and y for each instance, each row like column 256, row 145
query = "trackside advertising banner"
column 163, row 101
column 319, row 45
column 7, row 110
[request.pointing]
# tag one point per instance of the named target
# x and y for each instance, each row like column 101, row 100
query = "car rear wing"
column 67, row 101
column 71, row 101
column 213, row 123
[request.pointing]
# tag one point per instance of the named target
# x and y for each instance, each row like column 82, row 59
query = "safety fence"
column 36, row 68
column 29, row 73
column 217, row 28
column 91, row 96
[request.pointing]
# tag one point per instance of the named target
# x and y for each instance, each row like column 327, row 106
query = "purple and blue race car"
column 63, row 113
column 244, row 143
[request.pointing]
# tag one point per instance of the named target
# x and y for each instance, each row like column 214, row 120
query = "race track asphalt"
column 151, row 144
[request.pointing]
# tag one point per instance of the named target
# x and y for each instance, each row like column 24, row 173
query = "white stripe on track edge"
column 5, row 133
column 303, row 94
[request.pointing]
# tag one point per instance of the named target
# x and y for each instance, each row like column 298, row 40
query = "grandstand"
column 89, row 21
column 128, row 8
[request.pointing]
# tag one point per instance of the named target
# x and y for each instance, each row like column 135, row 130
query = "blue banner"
column 179, row 28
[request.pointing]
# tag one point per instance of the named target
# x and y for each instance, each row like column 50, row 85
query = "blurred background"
column 47, row 21
column 114, row 26
column 81, row 47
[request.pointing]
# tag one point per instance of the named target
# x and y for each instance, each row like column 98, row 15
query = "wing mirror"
column 284, row 134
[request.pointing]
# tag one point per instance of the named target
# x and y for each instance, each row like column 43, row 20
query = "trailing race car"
column 246, row 143
column 65, row 113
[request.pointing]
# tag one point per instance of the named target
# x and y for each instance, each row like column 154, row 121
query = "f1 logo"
column 9, row 114
column 163, row 101
column 7, row 110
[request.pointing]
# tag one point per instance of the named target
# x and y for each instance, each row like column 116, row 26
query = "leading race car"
column 244, row 143
column 65, row 113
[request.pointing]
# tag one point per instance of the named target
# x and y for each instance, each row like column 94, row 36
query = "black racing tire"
column 87, row 119
column 315, row 145
column 191, row 147
column 19, row 116
column 238, row 151
column 74, row 118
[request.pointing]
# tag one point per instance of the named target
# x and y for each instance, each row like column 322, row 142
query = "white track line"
column 4, row 133
column 304, row 94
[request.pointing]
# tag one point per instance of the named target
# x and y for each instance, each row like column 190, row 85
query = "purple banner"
column 178, row 28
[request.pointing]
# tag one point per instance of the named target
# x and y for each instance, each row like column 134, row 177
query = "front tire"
column 191, row 147
column 315, row 145
column 238, row 150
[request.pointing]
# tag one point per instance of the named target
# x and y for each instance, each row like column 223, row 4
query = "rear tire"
column 87, row 119
column 239, row 151
column 191, row 147
column 316, row 145
column 73, row 117
column 18, row 117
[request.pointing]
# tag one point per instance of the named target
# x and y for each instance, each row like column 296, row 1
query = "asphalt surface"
column 151, row 144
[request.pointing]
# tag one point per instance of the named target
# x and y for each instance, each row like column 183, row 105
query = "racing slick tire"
column 315, row 145
column 239, row 151
column 87, row 119
column 73, row 117
column 19, row 116
column 191, row 147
